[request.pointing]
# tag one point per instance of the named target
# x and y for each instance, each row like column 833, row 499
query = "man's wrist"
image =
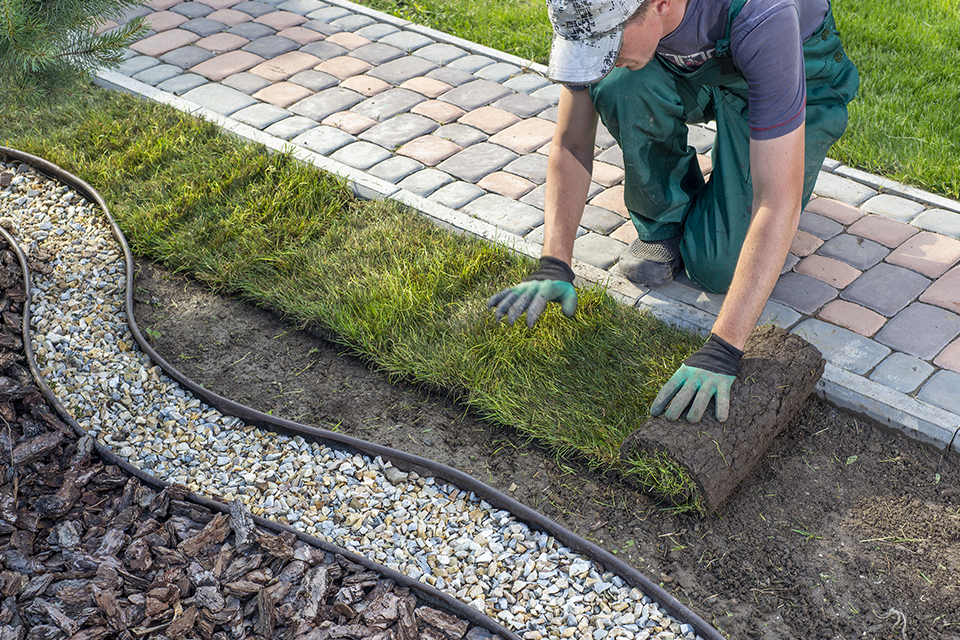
column 552, row 269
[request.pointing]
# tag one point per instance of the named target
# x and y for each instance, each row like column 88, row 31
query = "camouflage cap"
column 587, row 35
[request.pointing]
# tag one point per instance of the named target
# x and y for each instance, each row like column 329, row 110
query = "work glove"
column 708, row 373
column 552, row 282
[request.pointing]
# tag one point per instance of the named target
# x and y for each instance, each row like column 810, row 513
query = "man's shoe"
column 651, row 263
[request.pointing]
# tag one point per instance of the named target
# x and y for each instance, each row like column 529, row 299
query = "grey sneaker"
column 651, row 263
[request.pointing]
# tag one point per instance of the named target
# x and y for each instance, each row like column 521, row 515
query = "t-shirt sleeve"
column 768, row 51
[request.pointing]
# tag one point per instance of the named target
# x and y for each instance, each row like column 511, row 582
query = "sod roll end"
column 702, row 464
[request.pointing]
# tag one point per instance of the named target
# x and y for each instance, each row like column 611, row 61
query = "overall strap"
column 723, row 44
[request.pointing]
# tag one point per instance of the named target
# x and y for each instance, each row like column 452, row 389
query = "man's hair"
column 640, row 13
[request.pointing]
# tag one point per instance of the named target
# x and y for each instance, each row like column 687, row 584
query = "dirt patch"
column 844, row 530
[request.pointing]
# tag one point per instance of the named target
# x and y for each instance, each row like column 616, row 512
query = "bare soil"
column 844, row 530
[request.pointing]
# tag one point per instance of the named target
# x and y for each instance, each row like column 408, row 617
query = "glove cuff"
column 716, row 356
column 552, row 269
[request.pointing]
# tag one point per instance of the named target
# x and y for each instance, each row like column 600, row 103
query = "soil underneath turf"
column 844, row 530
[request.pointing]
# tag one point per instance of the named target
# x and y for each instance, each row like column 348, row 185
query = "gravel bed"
column 423, row 527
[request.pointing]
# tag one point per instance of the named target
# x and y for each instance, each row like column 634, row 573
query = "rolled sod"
column 700, row 465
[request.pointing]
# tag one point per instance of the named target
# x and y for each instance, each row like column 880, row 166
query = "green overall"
column 647, row 112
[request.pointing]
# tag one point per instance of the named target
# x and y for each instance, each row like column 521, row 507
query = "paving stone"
column 440, row 53
column 599, row 220
column 627, row 233
column 347, row 40
column 162, row 5
column 163, row 20
column 352, row 123
column 498, row 72
column 598, row 250
column 611, row 199
column 803, row 293
column 321, row 27
column 522, row 105
column 820, row 226
column 182, row 83
column 532, row 167
column 940, row 221
column 192, row 9
column 344, row 67
column 888, row 232
column 407, row 40
column 901, row 372
column 125, row 16
column 852, row 316
column 324, row 140
column 613, row 156
column 388, row 104
column 328, row 14
column 290, row 128
column 461, row 135
column 526, row 83
column 300, row 35
column 790, row 262
column 893, row 207
column 536, row 198
column 314, row 80
column 886, row 289
column 700, row 138
column 365, row 85
column 429, row 150
column 929, row 253
column 160, row 73
column 283, row 66
column 229, row 17
column 506, row 214
column 506, row 184
column 945, row 291
column 440, row 112
column 326, row 102
column 920, row 330
column 835, row 210
column 395, row 168
column 271, row 47
column 255, row 9
column 227, row 64
column 221, row 4
column 539, row 233
column 203, row 27
column 222, row 42
column 137, row 64
column 453, row 77
column 478, row 160
column 476, row 94
column 246, row 82
column 397, row 131
column 842, row 347
column 550, row 93
column 219, row 98
column 683, row 289
column 472, row 63
column 842, row 189
column 941, row 391
column 303, row 7
column 252, row 30
column 949, row 358
column 361, row 155
column 855, row 251
column 324, row 50
column 261, row 115
column 377, row 53
column 833, row 272
column 457, row 194
column 186, row 57
column 377, row 31
column 353, row 22
column 400, row 70
column 282, row 20
column 607, row 174
column 159, row 44
column 490, row 120
column 425, row 182
column 526, row 136
column 427, row 87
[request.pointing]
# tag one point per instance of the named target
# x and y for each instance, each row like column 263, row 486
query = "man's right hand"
column 552, row 282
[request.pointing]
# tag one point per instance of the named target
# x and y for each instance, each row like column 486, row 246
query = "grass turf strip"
column 398, row 290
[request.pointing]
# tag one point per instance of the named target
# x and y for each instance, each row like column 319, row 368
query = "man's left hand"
column 708, row 373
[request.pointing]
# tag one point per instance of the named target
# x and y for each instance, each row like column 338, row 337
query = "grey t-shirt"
column 766, row 42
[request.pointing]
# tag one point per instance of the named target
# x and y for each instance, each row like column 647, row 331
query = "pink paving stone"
column 506, row 184
column 889, row 233
column 625, row 233
column 163, row 5
column 804, row 244
column 929, row 253
column 164, row 20
column 220, row 4
column 949, row 358
column 286, row 65
column 526, row 136
column 352, row 123
column 833, row 272
column 839, row 211
column 852, row 316
column 606, row 174
column 227, row 64
column 348, row 41
column 281, row 20
column 282, row 94
column 106, row 26
column 222, row 42
column 490, row 120
column 442, row 112
column 429, row 150
column 161, row 43
column 367, row 85
column 945, row 291
column 343, row 66
column 612, row 199
column 426, row 86
column 230, row 17
column 301, row 35
column 706, row 165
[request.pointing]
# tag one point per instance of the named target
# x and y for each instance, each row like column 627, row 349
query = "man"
column 774, row 77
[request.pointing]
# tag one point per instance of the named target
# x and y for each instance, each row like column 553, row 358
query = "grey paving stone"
column 536, row 198
column 553, row 114
column 820, row 226
column 329, row 14
column 598, row 250
column 402, row 69
column 613, row 156
column 290, row 128
column 375, row 32
column 261, row 115
column 526, row 83
column 471, row 63
column 361, row 155
column 920, row 330
column 684, row 290
column 901, row 372
column 830, row 185
column 179, row 85
column 453, row 77
column 477, row 161
column 778, row 315
column 893, row 207
column 599, row 220
column 302, row 7
column 160, row 73
column 255, row 9
column 271, row 46
column 425, row 182
column 395, row 168
column 251, row 30
column 700, row 139
column 407, row 40
column 532, row 166
column 186, row 57
column 886, row 289
column 550, row 93
column 324, row 50
column 314, row 80
column 219, row 98
column 203, row 27
column 537, row 235
column 461, row 134
column 388, row 104
column 128, row 14
column 941, row 391
column 499, row 72
column 476, row 94
column 457, row 194
column 246, row 82
column 321, row 27
column 803, row 293
column 940, row 221
column 326, row 102
column 137, row 64
column 855, row 251
column 192, row 9
column 440, row 53
column 397, row 131
column 604, row 139
column 789, row 263
column 505, row 213
column 521, row 104
column 842, row 347
column 377, row 53
column 323, row 139
column 353, row 22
